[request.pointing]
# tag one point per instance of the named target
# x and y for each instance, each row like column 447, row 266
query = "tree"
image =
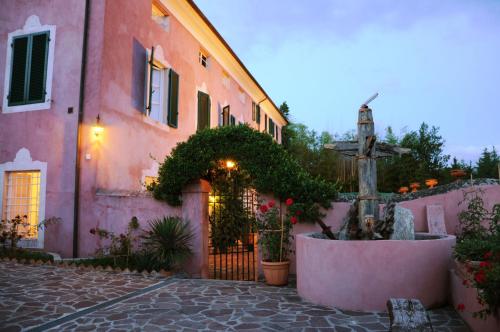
column 487, row 165
column 285, row 110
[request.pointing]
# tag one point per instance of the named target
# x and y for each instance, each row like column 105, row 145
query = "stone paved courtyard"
column 65, row 299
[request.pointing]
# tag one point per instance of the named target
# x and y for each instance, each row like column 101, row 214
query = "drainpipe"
column 76, row 203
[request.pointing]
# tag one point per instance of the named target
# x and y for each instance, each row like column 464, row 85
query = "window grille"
column 22, row 198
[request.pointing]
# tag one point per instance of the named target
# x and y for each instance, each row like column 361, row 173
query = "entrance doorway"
column 232, row 237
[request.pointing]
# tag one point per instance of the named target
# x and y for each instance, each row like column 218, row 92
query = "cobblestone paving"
column 181, row 305
column 33, row 295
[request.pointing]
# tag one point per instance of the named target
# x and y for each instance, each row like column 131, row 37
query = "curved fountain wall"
column 363, row 275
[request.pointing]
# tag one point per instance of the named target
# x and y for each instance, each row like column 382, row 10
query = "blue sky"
column 432, row 61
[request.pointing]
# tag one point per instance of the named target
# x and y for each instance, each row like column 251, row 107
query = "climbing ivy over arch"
column 270, row 167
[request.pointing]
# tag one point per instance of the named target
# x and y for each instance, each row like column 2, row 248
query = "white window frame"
column 203, row 58
column 161, row 90
column 31, row 26
column 164, row 67
column 23, row 162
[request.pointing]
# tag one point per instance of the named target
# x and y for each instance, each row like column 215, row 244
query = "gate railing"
column 236, row 259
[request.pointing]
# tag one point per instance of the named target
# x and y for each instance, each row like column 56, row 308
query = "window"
column 203, row 58
column 162, row 92
column 253, row 110
column 257, row 114
column 159, row 14
column 271, row 127
column 225, row 115
column 149, row 180
column 203, row 110
column 29, row 67
column 226, row 80
column 233, row 120
column 21, row 197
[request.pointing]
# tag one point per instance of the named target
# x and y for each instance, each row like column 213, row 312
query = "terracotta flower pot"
column 276, row 273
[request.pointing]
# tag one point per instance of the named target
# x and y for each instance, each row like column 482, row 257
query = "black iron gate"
column 232, row 256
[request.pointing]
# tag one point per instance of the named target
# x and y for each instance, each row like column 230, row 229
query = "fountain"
column 373, row 258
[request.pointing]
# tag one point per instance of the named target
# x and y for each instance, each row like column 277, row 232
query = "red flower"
column 480, row 277
column 293, row 220
column 289, row 201
column 298, row 213
column 465, row 282
column 271, row 204
column 263, row 208
column 460, row 307
column 92, row 231
column 488, row 255
column 485, row 264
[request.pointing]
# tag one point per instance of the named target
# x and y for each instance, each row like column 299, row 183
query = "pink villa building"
column 95, row 93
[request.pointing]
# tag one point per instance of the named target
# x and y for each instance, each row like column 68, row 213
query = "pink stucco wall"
column 119, row 33
column 49, row 135
column 132, row 142
column 450, row 202
column 363, row 275
column 468, row 297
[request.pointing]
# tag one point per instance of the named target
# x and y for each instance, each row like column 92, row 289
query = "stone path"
column 35, row 295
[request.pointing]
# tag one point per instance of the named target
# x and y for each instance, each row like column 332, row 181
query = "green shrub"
column 20, row 253
column 168, row 242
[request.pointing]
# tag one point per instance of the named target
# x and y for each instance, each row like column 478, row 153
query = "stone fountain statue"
column 363, row 220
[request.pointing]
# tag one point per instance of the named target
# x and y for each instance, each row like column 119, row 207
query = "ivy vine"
column 271, row 169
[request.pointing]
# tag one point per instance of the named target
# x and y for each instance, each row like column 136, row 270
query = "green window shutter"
column 265, row 122
column 271, row 127
column 257, row 114
column 18, row 71
column 203, row 110
column 38, row 67
column 233, row 120
column 225, row 115
column 173, row 98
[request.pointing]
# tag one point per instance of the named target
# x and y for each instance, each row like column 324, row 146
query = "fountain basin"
column 363, row 275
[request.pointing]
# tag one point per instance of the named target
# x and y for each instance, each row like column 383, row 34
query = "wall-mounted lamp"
column 230, row 164
column 97, row 128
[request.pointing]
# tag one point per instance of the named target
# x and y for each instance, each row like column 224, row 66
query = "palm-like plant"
column 168, row 242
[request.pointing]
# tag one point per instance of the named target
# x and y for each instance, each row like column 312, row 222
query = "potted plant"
column 274, row 229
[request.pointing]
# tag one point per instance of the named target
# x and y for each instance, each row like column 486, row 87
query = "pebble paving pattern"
column 34, row 295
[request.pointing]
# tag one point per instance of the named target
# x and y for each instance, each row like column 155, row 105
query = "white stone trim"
column 23, row 162
column 32, row 25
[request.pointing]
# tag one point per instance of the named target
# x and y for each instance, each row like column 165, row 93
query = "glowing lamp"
column 97, row 128
column 230, row 164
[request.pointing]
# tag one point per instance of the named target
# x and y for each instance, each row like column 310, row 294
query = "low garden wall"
column 449, row 200
column 363, row 275
column 466, row 297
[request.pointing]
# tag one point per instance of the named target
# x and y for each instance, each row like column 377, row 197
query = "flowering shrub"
column 485, row 277
column 479, row 240
column 274, row 230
